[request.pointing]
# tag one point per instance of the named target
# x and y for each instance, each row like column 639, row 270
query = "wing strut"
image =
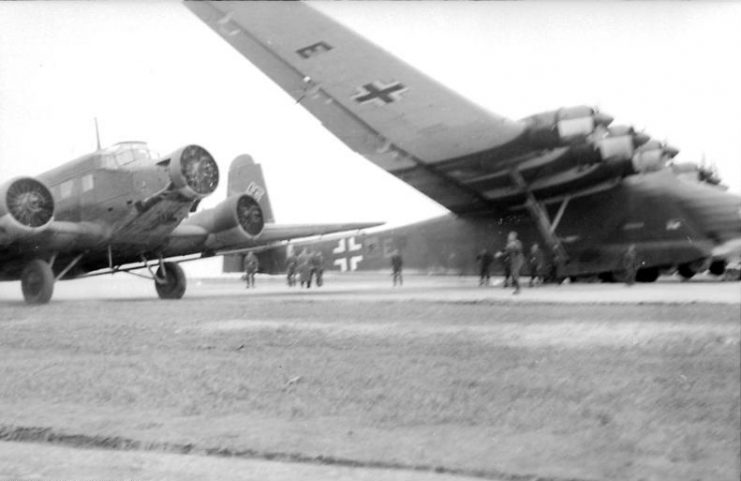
column 540, row 217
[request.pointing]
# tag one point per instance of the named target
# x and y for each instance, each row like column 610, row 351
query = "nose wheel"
column 37, row 282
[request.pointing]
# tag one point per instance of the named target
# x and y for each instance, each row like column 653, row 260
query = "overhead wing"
column 379, row 106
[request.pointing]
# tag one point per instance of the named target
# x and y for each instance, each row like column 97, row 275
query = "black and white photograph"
column 352, row 240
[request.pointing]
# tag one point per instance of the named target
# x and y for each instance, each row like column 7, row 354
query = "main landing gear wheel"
column 173, row 281
column 647, row 274
column 37, row 282
column 686, row 271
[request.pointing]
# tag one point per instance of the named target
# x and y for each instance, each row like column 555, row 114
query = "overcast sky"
column 152, row 71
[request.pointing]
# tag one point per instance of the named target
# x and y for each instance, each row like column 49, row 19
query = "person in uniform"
column 503, row 257
column 291, row 268
column 251, row 264
column 630, row 264
column 304, row 268
column 516, row 259
column 484, row 258
column 317, row 268
column 536, row 262
column 396, row 265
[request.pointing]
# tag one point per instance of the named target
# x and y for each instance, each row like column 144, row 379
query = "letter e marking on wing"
column 314, row 50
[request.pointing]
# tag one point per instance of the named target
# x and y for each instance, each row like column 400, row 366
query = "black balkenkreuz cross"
column 380, row 94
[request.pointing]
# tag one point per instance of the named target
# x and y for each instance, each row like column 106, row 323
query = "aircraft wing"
column 281, row 232
column 188, row 237
column 382, row 108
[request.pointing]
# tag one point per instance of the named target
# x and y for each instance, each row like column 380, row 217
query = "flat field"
column 481, row 384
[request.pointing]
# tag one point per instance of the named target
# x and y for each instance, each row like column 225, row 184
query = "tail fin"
column 245, row 176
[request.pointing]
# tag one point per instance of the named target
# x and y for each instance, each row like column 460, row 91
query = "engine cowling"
column 26, row 207
column 565, row 126
column 234, row 221
column 193, row 172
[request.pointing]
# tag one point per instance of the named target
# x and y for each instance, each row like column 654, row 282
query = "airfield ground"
column 357, row 380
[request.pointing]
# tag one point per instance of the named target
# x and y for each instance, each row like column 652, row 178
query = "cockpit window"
column 124, row 153
column 125, row 157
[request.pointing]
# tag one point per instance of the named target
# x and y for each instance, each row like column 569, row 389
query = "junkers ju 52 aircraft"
column 124, row 208
column 567, row 179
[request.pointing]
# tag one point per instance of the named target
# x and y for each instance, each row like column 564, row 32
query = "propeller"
column 30, row 202
column 199, row 170
column 250, row 215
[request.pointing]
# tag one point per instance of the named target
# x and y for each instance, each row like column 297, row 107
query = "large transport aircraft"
column 124, row 208
column 568, row 179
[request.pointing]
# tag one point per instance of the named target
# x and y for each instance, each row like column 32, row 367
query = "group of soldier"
column 308, row 266
column 513, row 260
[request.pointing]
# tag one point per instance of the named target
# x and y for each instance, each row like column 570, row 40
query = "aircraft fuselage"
column 670, row 221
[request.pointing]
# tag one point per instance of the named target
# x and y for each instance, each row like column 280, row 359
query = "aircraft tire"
column 686, row 271
column 37, row 282
column 717, row 268
column 647, row 274
column 606, row 277
column 174, row 286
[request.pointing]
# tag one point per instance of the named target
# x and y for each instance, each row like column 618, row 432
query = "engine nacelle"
column 565, row 126
column 615, row 148
column 26, row 208
column 236, row 220
column 649, row 160
column 193, row 172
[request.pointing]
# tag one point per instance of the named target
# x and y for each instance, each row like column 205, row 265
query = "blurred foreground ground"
column 439, row 379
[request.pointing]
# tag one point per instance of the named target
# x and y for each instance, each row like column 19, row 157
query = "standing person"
column 503, row 258
column 304, row 268
column 317, row 268
column 485, row 258
column 396, row 265
column 536, row 263
column 630, row 264
column 516, row 259
column 251, row 264
column 291, row 267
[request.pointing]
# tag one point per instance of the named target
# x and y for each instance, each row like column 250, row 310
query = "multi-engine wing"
column 382, row 108
column 462, row 156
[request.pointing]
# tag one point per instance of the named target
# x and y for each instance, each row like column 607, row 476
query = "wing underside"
column 382, row 108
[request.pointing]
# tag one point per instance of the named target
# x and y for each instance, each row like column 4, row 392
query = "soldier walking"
column 291, row 267
column 516, row 259
column 503, row 258
column 536, row 263
column 251, row 265
column 396, row 265
column 484, row 258
column 630, row 264
column 304, row 268
column 317, row 268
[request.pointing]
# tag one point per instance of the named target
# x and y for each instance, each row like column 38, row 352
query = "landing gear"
column 718, row 267
column 647, row 274
column 687, row 271
column 170, row 281
column 607, row 277
column 546, row 228
column 37, row 282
